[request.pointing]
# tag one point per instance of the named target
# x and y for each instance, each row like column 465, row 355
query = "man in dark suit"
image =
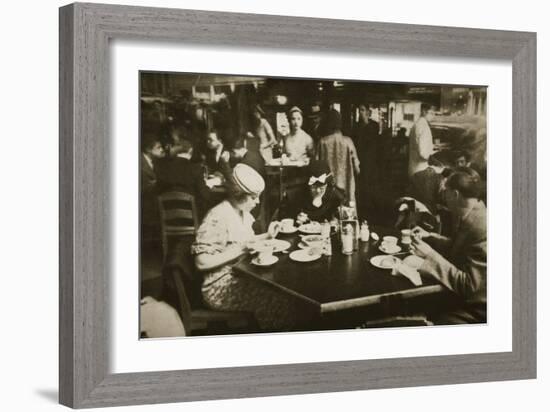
column 252, row 158
column 179, row 173
column 426, row 185
column 217, row 157
column 460, row 262
column 151, row 152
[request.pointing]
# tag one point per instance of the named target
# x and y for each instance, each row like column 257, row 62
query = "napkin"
column 410, row 273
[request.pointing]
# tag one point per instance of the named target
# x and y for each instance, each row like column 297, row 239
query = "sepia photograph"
column 272, row 204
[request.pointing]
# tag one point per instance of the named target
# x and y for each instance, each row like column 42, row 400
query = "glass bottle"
column 347, row 239
column 365, row 233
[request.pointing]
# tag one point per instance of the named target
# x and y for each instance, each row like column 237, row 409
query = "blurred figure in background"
column 421, row 145
column 263, row 133
column 178, row 173
column 216, row 156
column 340, row 154
column 367, row 138
column 151, row 153
column 426, row 186
column 315, row 118
column 241, row 154
column 298, row 145
column 462, row 159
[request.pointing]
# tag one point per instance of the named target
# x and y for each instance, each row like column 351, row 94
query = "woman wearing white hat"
column 221, row 238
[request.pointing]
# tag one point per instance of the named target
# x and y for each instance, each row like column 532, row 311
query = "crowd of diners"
column 444, row 203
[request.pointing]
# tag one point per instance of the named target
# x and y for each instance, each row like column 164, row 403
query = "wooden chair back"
column 178, row 216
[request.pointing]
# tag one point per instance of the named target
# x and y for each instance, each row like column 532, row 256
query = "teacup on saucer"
column 390, row 248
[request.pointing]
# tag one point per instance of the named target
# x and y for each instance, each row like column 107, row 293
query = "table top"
column 333, row 278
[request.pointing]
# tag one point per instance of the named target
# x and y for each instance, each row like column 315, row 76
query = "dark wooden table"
column 338, row 282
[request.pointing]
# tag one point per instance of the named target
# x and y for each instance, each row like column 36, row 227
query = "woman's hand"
column 421, row 248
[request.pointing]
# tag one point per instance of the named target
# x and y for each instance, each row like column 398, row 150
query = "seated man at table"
column 151, row 153
column 252, row 158
column 460, row 262
column 426, row 185
column 320, row 199
column 179, row 173
column 217, row 158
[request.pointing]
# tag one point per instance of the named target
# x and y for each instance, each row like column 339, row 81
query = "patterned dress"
column 222, row 228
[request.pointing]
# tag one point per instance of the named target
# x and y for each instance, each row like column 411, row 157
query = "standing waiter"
column 421, row 144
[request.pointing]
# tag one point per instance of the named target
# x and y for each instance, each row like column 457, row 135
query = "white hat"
column 248, row 179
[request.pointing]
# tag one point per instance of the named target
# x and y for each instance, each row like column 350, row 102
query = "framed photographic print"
column 258, row 205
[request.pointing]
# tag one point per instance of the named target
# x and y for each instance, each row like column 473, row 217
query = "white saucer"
column 379, row 261
column 288, row 232
column 270, row 262
column 390, row 251
column 278, row 245
column 303, row 255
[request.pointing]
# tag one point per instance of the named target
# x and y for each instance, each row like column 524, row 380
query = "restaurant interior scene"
column 295, row 205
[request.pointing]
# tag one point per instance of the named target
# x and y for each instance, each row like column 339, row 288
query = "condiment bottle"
column 347, row 239
column 365, row 233
column 325, row 232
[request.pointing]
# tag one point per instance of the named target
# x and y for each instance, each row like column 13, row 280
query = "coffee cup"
column 406, row 236
column 265, row 254
column 287, row 225
column 389, row 241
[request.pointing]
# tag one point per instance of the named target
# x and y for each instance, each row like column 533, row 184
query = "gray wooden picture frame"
column 85, row 31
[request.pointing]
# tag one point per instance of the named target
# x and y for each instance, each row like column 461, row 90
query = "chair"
column 181, row 289
column 178, row 216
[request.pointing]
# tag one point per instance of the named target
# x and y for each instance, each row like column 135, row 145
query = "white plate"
column 303, row 256
column 278, row 245
column 288, row 232
column 310, row 228
column 390, row 251
column 381, row 262
column 269, row 262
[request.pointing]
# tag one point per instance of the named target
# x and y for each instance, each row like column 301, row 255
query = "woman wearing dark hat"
column 263, row 132
column 298, row 144
column 223, row 237
column 320, row 199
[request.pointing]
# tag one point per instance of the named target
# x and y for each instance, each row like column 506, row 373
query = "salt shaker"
column 365, row 233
